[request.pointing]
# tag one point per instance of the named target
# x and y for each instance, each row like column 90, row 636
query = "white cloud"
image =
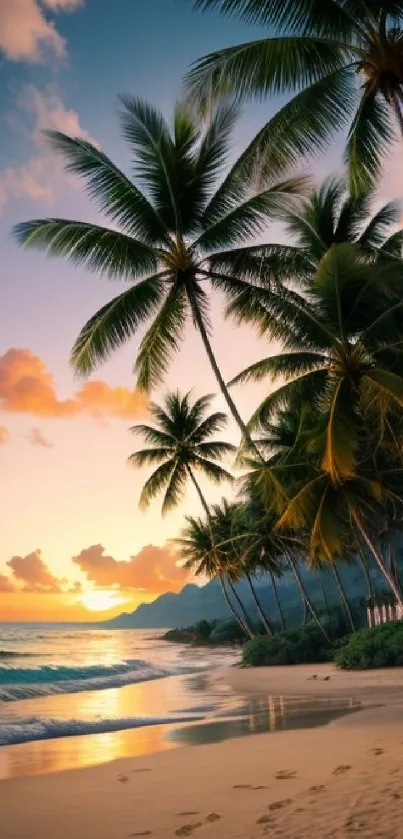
column 42, row 175
column 27, row 32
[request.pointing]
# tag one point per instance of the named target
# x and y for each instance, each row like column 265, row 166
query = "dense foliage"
column 294, row 646
column 381, row 646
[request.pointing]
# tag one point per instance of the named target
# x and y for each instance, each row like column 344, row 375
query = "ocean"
column 73, row 695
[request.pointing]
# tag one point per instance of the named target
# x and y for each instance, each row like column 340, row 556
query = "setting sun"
column 101, row 601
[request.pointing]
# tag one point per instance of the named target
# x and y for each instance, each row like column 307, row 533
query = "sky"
column 73, row 543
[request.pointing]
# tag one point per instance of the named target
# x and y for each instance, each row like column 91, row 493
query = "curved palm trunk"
column 364, row 568
column 343, row 596
column 378, row 559
column 277, row 599
column 393, row 567
column 221, row 383
column 305, row 598
column 259, row 608
column 238, row 619
column 245, row 616
column 242, row 622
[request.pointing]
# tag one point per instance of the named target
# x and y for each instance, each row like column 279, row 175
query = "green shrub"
column 381, row 646
column 306, row 645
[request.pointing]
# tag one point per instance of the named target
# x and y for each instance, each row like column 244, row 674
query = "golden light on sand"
column 101, row 601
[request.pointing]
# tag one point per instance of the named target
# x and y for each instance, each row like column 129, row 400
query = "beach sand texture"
column 342, row 780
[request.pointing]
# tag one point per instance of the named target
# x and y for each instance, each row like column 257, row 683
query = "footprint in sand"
column 278, row 805
column 340, row 770
column 123, row 779
column 213, row 817
column 242, row 786
column 187, row 829
column 189, row 813
column 141, row 833
column 285, row 775
column 317, row 788
column 140, row 770
column 378, row 752
column 265, row 820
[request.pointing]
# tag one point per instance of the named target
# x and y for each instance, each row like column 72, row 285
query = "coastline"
column 337, row 780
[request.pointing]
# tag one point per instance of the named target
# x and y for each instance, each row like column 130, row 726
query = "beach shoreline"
column 337, row 780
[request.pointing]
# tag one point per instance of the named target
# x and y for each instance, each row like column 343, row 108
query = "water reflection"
column 227, row 715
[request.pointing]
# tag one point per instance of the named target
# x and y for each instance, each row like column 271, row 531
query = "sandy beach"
column 344, row 779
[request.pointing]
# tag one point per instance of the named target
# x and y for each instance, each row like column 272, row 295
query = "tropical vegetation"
column 317, row 481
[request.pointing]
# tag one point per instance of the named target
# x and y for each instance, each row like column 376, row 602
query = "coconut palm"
column 168, row 224
column 332, row 216
column 198, row 547
column 342, row 58
column 342, row 349
column 181, row 443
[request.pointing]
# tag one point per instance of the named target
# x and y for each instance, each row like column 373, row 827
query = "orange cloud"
column 28, row 387
column 25, row 29
column 36, row 438
column 153, row 569
column 35, row 576
column 4, row 435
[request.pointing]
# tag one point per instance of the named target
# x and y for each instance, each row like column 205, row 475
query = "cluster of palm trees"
column 320, row 460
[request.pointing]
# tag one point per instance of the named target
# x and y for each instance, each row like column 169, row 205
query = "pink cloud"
column 26, row 30
column 28, row 387
column 42, row 176
column 4, row 435
column 36, row 438
column 35, row 576
column 152, row 569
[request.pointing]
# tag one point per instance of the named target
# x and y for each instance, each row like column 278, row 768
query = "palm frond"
column 211, row 470
column 308, row 385
column 162, row 339
column 249, row 218
column 285, row 364
column 157, row 437
column 341, row 441
column 291, row 15
column 215, row 449
column 96, row 248
column 149, row 457
column 156, row 483
column 175, row 489
column 207, row 427
column 269, row 66
column 113, row 192
column 115, row 323
column 375, row 234
column 370, row 138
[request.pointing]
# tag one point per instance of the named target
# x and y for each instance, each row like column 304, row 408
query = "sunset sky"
column 73, row 543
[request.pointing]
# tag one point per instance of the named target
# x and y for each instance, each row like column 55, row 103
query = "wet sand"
column 340, row 780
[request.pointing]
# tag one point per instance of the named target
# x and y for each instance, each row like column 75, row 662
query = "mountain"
column 194, row 603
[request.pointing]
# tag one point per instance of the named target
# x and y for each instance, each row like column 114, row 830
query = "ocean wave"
column 25, row 683
column 34, row 728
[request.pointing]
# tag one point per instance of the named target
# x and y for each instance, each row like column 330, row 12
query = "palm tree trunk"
column 378, row 559
column 305, row 598
column 259, row 606
column 364, row 568
column 245, row 616
column 393, row 567
column 244, row 623
column 238, row 619
column 221, row 383
column 277, row 599
column 343, row 596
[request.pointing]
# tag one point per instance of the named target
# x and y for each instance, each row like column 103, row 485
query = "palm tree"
column 173, row 227
column 180, row 442
column 332, row 216
column 342, row 349
column 235, row 543
column 344, row 62
column 197, row 545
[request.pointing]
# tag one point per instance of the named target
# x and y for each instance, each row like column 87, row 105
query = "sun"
column 101, row 601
